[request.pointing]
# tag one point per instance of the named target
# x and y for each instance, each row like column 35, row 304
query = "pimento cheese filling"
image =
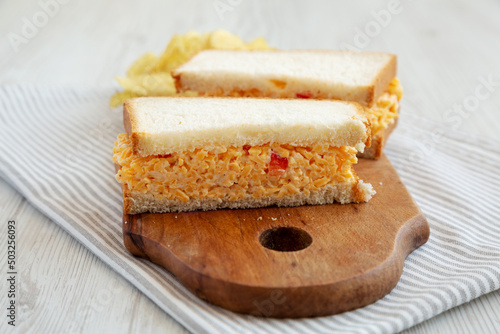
column 386, row 108
column 236, row 172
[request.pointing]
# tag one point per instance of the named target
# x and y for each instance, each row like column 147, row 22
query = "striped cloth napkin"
column 55, row 149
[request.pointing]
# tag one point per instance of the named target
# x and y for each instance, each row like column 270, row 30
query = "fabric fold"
column 56, row 146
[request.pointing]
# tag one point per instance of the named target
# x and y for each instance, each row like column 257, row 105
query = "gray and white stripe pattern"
column 56, row 146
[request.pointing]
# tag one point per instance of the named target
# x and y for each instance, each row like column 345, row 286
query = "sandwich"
column 206, row 153
column 368, row 78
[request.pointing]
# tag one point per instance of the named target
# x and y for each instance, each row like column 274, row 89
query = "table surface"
column 445, row 50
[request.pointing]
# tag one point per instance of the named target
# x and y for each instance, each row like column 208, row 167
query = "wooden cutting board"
column 289, row 262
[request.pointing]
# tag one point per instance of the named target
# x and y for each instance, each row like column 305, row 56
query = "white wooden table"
column 445, row 49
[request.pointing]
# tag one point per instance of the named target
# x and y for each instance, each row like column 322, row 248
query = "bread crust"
column 129, row 123
column 372, row 92
column 137, row 202
column 125, row 191
column 383, row 80
column 378, row 142
column 177, row 78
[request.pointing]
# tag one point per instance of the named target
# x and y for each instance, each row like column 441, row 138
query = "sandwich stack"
column 271, row 129
column 368, row 78
column 185, row 154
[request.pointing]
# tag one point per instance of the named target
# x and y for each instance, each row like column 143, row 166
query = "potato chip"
column 120, row 97
column 221, row 39
column 258, row 44
column 142, row 65
column 151, row 75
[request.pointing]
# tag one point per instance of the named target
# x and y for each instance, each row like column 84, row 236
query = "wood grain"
column 355, row 258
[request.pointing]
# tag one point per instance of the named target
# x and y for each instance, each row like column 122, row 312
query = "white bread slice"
column 136, row 202
column 343, row 75
column 164, row 125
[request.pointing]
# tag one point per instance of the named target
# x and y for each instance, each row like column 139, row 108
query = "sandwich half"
column 368, row 78
column 185, row 154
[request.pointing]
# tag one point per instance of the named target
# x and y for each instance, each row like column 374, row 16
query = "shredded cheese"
column 233, row 173
column 386, row 108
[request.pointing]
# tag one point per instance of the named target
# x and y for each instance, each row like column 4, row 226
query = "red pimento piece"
column 277, row 165
column 246, row 148
column 164, row 155
column 307, row 95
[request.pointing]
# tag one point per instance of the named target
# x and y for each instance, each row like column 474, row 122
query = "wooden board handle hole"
column 285, row 239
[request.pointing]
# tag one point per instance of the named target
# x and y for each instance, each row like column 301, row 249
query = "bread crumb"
column 260, row 218
column 175, row 216
column 274, row 219
column 380, row 183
